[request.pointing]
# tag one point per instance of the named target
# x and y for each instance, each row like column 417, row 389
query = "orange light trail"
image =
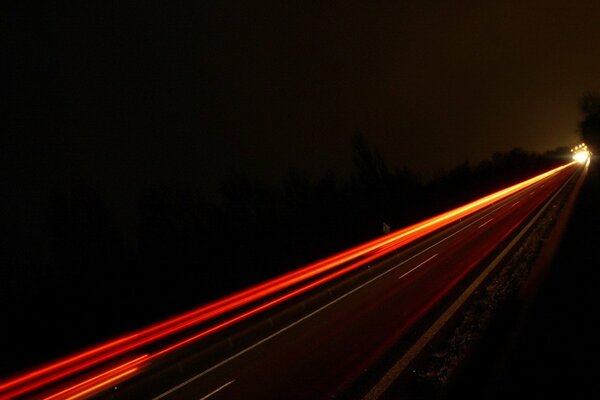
column 358, row 255
column 104, row 379
column 101, row 385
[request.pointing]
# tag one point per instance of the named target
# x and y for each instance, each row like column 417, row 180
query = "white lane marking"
column 393, row 373
column 218, row 389
column 532, row 192
column 485, row 223
column 406, row 273
column 542, row 186
column 515, row 204
column 242, row 352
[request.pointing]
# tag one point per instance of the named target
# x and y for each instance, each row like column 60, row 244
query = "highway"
column 312, row 333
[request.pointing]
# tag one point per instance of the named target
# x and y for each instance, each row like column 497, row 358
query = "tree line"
column 70, row 272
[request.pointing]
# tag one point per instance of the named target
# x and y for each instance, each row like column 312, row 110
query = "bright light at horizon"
column 581, row 157
column 581, row 153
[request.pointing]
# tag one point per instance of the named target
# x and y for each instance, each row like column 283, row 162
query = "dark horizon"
column 128, row 96
column 158, row 157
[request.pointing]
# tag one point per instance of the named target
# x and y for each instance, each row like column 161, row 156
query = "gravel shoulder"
column 475, row 357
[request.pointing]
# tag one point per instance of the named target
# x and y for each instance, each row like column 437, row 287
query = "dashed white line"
column 485, row 223
column 214, row 367
column 515, row 204
column 397, row 369
column 406, row 273
column 218, row 389
column 532, row 192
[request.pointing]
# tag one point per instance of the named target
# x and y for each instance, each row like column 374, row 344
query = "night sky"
column 120, row 118
column 129, row 95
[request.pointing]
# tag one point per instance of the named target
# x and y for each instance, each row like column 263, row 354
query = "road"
column 317, row 343
column 322, row 353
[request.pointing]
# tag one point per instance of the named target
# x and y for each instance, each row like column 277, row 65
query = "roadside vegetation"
column 71, row 272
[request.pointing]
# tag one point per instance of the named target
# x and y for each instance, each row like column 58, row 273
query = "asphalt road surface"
column 319, row 345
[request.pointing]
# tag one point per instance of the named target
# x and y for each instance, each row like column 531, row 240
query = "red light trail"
column 299, row 281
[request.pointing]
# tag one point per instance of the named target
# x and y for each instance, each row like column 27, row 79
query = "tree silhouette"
column 370, row 167
column 589, row 105
column 369, row 186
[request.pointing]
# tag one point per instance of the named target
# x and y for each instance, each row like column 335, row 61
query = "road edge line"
column 398, row 368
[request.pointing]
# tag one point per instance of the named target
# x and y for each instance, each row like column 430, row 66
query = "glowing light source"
column 581, row 154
